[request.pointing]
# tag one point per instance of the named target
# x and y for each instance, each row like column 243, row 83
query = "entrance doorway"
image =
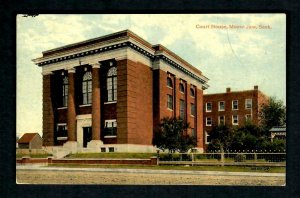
column 87, row 135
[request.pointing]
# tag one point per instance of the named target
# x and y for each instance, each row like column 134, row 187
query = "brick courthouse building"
column 109, row 93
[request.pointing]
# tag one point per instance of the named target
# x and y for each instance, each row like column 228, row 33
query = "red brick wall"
column 48, row 113
column 162, row 111
column 122, row 121
column 134, row 107
column 241, row 96
column 140, row 95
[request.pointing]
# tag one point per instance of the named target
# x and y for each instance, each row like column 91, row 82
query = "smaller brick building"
column 30, row 141
column 231, row 108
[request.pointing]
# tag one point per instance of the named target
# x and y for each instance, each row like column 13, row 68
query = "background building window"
column 207, row 138
column 193, row 110
column 182, row 109
column 235, row 120
column 222, row 120
column 87, row 88
column 65, row 90
column 181, row 88
column 221, row 106
column 192, row 92
column 235, row 105
column 248, row 117
column 112, row 84
column 248, row 103
column 170, row 102
column 208, row 107
column 169, row 82
column 208, row 121
column 110, row 128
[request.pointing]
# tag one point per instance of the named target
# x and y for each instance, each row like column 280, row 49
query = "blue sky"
column 236, row 58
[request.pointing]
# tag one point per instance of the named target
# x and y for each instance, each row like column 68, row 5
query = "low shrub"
column 240, row 158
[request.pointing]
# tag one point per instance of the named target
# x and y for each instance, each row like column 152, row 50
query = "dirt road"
column 77, row 177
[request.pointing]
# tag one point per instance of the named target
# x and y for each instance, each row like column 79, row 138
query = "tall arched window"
column 65, row 90
column 112, row 84
column 169, row 82
column 87, row 88
column 192, row 92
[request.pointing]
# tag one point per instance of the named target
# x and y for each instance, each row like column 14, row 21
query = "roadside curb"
column 149, row 171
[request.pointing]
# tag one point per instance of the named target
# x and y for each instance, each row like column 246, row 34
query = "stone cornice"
column 126, row 44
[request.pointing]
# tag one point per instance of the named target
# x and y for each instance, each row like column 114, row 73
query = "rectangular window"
column 208, row 107
column 235, row 105
column 221, row 120
column 111, row 149
column 111, row 89
column 248, row 117
column 235, row 120
column 182, row 109
column 103, row 149
column 248, row 103
column 207, row 138
column 193, row 110
column 193, row 132
column 65, row 95
column 62, row 131
column 208, row 121
column 170, row 102
column 221, row 106
column 110, row 128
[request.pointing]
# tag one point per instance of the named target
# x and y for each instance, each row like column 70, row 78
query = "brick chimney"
column 227, row 89
column 255, row 87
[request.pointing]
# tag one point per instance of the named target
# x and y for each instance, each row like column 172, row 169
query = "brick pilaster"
column 71, row 106
column 96, row 101
column 48, row 113
column 199, row 119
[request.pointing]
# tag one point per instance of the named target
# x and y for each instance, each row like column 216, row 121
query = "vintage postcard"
column 151, row 99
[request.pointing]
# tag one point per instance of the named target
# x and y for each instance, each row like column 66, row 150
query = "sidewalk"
column 147, row 171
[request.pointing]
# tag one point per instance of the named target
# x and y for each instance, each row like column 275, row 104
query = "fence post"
column 192, row 159
column 255, row 157
column 157, row 157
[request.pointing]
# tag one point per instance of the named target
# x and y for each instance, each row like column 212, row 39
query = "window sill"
column 110, row 136
column 235, row 109
column 235, row 124
column 169, row 109
column 208, row 111
column 62, row 138
column 208, row 125
column 59, row 108
column 86, row 105
column 192, row 116
column 112, row 102
column 221, row 110
column 170, row 87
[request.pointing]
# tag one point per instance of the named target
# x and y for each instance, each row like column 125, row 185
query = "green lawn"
column 33, row 155
column 178, row 167
column 112, row 155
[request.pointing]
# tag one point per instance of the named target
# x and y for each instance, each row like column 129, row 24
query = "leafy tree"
column 171, row 135
column 221, row 137
column 272, row 114
column 247, row 137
